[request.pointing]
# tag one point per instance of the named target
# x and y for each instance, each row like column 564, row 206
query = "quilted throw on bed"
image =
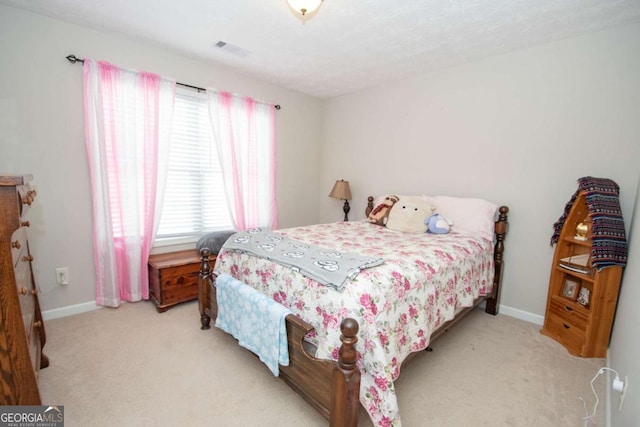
column 254, row 319
column 327, row 266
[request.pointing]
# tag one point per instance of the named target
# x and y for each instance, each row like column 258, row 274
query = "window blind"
column 194, row 201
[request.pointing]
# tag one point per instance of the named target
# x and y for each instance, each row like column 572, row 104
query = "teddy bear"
column 408, row 214
column 380, row 214
column 438, row 224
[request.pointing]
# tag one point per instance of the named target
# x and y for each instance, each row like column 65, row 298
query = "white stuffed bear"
column 408, row 214
column 438, row 224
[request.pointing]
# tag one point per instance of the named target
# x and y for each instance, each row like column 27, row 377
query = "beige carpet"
column 132, row 366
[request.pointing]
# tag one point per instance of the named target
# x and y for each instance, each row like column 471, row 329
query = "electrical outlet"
column 62, row 276
column 623, row 392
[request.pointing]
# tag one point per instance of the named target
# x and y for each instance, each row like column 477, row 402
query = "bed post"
column 369, row 208
column 501, row 228
column 204, row 288
column 345, row 379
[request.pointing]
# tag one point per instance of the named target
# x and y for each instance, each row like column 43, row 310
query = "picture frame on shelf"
column 583, row 297
column 570, row 288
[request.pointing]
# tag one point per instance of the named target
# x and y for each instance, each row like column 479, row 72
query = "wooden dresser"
column 22, row 334
column 173, row 278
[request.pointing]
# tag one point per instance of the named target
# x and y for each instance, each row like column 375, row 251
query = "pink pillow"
column 469, row 215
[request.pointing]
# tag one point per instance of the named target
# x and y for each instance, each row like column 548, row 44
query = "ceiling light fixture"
column 304, row 7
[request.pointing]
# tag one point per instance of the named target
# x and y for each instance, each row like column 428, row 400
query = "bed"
column 346, row 348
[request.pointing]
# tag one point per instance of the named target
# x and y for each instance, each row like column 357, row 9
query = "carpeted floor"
column 132, row 366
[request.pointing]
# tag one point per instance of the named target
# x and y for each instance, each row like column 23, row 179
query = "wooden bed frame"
column 333, row 388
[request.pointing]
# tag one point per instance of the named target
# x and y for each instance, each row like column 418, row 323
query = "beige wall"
column 41, row 132
column 624, row 351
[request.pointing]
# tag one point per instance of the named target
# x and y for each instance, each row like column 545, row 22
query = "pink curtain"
column 244, row 134
column 127, row 136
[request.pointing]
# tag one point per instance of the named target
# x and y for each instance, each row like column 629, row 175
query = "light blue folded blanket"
column 326, row 266
column 254, row 319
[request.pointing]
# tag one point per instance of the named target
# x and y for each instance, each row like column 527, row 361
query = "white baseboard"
column 70, row 310
column 521, row 314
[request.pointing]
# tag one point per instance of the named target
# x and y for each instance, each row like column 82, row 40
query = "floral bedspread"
column 423, row 280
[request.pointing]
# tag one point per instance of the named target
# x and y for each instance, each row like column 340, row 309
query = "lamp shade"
column 304, row 7
column 341, row 190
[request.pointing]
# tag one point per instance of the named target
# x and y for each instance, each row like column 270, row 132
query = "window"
column 194, row 200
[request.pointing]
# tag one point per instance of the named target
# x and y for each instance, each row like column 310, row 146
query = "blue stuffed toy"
column 438, row 224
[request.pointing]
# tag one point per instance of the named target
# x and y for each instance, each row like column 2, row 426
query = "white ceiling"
column 348, row 44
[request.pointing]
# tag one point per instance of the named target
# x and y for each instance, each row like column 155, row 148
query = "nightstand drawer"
column 568, row 313
column 565, row 333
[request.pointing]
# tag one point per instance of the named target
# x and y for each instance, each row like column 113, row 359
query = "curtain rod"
column 73, row 59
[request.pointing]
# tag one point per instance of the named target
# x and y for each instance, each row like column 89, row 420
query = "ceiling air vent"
column 229, row 48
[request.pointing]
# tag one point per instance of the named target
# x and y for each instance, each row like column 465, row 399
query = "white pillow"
column 408, row 214
column 469, row 215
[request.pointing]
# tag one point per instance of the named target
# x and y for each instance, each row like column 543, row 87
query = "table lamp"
column 341, row 191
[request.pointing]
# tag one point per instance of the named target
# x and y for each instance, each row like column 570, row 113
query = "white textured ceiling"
column 348, row 44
